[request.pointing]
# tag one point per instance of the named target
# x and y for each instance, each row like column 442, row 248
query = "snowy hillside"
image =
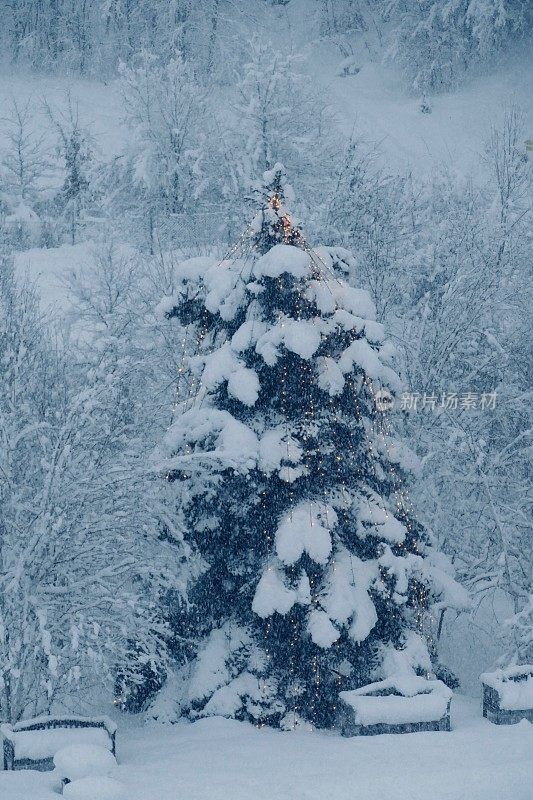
column 99, row 105
column 450, row 137
column 373, row 102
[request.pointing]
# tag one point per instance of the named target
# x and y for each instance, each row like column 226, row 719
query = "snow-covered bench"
column 33, row 743
column 508, row 694
column 401, row 704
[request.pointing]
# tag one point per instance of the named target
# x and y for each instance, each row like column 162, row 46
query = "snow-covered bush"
column 24, row 175
column 75, row 202
column 95, row 788
column 519, row 635
column 465, row 334
column 279, row 116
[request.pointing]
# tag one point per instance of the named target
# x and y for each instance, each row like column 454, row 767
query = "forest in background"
column 214, row 94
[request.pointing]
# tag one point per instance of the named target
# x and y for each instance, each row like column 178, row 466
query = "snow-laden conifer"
column 318, row 577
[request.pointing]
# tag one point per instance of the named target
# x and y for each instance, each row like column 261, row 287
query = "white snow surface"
column 323, row 632
column 346, row 596
column 234, row 443
column 223, row 365
column 514, row 686
column 272, row 594
column 95, row 788
column 210, row 669
column 282, row 258
column 375, row 520
column 302, row 337
column 44, row 744
column 77, row 761
column 394, row 709
column 451, row 593
column 373, row 99
column 227, row 700
column 399, row 666
column 415, row 700
column 306, row 529
column 218, row 759
column 406, row 684
column 48, row 269
column 275, row 447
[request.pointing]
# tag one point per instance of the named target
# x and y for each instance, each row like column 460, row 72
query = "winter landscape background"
column 139, row 186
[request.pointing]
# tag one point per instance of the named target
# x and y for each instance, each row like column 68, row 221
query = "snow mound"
column 405, row 684
column 306, row 529
column 38, row 745
column 302, row 337
column 347, row 597
column 223, row 365
column 272, row 595
column 375, row 520
column 210, row 670
column 514, row 686
column 95, row 788
column 360, row 354
column 282, row 453
column 223, row 438
column 81, row 760
column 408, row 698
column 228, row 699
column 282, row 258
column 321, row 629
column 396, row 710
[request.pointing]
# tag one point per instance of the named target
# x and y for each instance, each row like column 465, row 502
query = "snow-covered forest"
column 265, row 394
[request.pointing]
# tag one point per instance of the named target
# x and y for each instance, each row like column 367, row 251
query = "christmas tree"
column 317, row 576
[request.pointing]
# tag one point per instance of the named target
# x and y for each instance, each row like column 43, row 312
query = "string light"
column 405, row 508
column 403, row 505
column 321, row 271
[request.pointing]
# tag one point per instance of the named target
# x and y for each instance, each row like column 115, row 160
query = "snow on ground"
column 373, row 102
column 219, row 759
column 452, row 136
column 98, row 104
column 48, row 269
column 27, row 785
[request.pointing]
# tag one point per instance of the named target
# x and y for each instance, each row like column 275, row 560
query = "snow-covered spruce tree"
column 316, row 569
column 519, row 634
